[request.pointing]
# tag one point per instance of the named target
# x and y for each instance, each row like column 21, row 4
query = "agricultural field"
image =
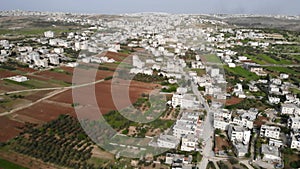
column 9, row 165
column 240, row 72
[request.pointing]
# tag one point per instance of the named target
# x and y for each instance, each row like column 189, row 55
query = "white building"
column 271, row 153
column 187, row 124
column 222, row 119
column 18, row 78
column 167, row 141
column 49, row 34
column 290, row 109
column 294, row 122
column 240, row 149
column 238, row 133
column 58, row 50
column 274, row 100
column 245, row 118
column 189, row 142
column 270, row 131
column 295, row 143
column 276, row 143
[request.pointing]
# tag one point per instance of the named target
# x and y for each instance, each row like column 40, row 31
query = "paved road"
column 53, row 88
column 208, row 129
column 59, row 90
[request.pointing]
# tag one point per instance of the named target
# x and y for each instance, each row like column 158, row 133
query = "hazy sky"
column 291, row 7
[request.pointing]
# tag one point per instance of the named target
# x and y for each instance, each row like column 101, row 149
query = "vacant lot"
column 232, row 101
column 8, row 128
column 221, row 143
column 45, row 111
column 104, row 96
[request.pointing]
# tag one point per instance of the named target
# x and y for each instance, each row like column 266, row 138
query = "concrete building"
column 295, row 142
column 290, row 109
column 168, row 141
column 240, row 149
column 49, row 34
column 239, row 134
column 270, row 132
column 189, row 142
column 271, row 154
column 18, row 78
column 294, row 122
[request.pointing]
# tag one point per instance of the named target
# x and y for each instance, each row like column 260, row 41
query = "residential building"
column 245, row 118
column 239, row 134
column 289, row 108
column 276, row 143
column 270, row 131
column 240, row 149
column 222, row 119
column 189, row 142
column 295, row 142
column 167, row 141
column 49, row 34
column 271, row 153
column 294, row 122
column 18, row 78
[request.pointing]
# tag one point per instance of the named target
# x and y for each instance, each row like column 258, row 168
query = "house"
column 295, row 142
column 276, row 143
column 253, row 87
column 239, row 134
column 283, row 76
column 270, row 131
column 274, row 100
column 240, row 149
column 222, row 119
column 182, row 128
column 238, row 91
column 58, row 50
column 49, row 34
column 245, row 118
column 289, row 108
column 184, row 100
column 271, row 154
column 136, row 62
column 18, row 78
column 294, row 122
column 187, row 124
column 53, row 58
column 178, row 160
column 167, row 141
column 189, row 142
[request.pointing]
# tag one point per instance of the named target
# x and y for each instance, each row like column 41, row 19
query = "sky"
column 286, row 7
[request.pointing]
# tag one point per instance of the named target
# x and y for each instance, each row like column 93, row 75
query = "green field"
column 241, row 72
column 200, row 72
column 265, row 59
column 283, row 70
column 211, row 58
column 9, row 165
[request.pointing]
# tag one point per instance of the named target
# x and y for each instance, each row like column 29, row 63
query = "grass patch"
column 9, row 165
column 265, row 59
column 241, row 72
column 200, row 72
column 211, row 58
column 282, row 70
